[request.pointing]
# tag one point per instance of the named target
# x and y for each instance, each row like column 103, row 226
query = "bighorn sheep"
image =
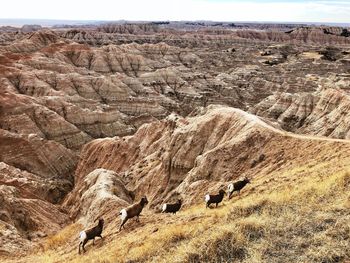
column 214, row 199
column 172, row 208
column 237, row 186
column 91, row 233
column 132, row 211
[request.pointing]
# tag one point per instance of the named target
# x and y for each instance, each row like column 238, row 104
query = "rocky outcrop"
column 150, row 33
column 304, row 34
column 324, row 113
column 35, row 175
column 185, row 158
column 27, row 209
column 33, row 154
column 30, row 28
column 33, row 42
column 101, row 194
column 27, row 117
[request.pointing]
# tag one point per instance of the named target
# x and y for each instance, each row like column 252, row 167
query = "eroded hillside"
column 92, row 119
column 299, row 186
column 186, row 158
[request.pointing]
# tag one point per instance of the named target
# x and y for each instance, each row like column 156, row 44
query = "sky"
column 337, row 11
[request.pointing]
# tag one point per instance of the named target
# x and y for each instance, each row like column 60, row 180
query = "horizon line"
column 180, row 20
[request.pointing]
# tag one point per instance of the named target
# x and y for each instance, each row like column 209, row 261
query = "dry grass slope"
column 304, row 221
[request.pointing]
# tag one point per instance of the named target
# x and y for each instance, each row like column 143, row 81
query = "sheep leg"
column 93, row 241
column 230, row 195
column 216, row 204
column 79, row 246
column 137, row 219
column 207, row 205
column 122, row 224
column 84, row 242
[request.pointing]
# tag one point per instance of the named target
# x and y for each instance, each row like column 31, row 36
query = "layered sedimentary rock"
column 193, row 37
column 28, row 207
column 185, row 158
column 324, row 113
column 63, row 91
column 35, row 174
column 100, row 194
column 95, row 92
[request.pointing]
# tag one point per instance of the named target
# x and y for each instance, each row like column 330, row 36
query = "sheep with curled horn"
column 214, row 199
column 172, row 208
column 91, row 233
column 237, row 186
column 132, row 211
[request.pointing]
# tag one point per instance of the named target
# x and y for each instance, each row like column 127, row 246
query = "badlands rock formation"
column 101, row 194
column 199, row 35
column 27, row 209
column 325, row 113
column 185, row 158
column 103, row 115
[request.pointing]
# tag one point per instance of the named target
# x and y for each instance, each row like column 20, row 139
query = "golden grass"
column 307, row 221
column 63, row 237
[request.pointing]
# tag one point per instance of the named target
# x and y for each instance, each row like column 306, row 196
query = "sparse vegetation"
column 62, row 237
column 94, row 117
column 305, row 222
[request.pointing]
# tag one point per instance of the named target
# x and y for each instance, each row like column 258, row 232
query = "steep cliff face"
column 35, row 155
column 324, row 113
column 34, row 177
column 27, row 210
column 101, row 193
column 35, row 171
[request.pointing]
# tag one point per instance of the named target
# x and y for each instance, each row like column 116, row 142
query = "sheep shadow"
column 214, row 207
column 128, row 227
